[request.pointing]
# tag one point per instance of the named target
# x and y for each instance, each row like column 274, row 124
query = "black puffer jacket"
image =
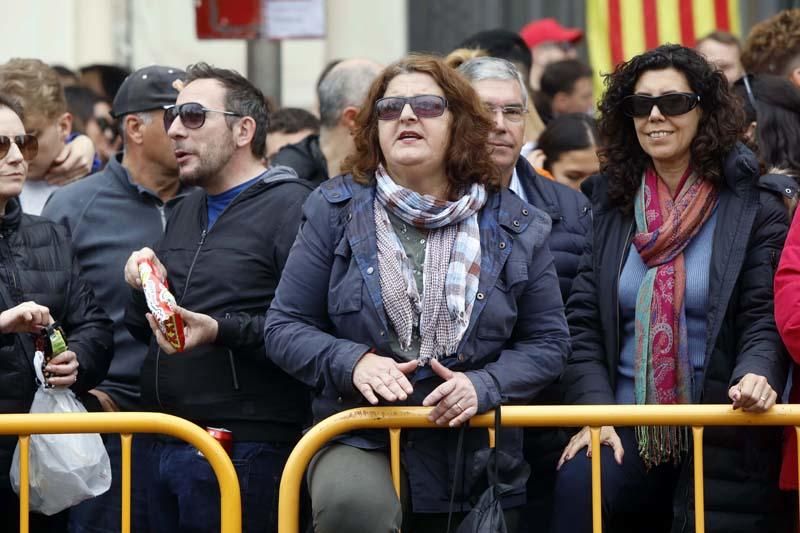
column 741, row 465
column 36, row 264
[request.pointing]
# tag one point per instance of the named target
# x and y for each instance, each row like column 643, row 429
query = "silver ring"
column 460, row 409
column 763, row 398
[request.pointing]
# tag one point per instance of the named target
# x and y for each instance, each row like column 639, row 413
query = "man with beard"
column 222, row 253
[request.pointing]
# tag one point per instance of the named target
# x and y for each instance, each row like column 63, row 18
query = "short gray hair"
column 146, row 117
column 345, row 85
column 493, row 68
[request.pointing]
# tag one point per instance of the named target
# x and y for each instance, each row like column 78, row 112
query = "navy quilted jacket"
column 570, row 213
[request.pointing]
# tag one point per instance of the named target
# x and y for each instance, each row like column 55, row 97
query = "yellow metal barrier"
column 595, row 416
column 25, row 425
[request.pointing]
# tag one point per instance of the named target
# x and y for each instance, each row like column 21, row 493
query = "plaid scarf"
column 663, row 370
column 451, row 271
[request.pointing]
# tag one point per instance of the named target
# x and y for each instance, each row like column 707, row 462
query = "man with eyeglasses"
column 501, row 88
column 110, row 213
column 222, row 255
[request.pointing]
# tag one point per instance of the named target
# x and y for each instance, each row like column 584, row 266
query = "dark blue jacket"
column 328, row 312
column 570, row 213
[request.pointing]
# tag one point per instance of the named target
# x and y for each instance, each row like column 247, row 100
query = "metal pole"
column 264, row 67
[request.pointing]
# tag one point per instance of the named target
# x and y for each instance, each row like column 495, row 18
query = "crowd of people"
column 458, row 232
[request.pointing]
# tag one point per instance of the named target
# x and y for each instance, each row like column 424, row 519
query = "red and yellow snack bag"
column 162, row 305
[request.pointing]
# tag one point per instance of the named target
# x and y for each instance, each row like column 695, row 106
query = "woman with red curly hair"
column 415, row 280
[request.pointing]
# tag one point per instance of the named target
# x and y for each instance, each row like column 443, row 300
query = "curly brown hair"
column 468, row 158
column 622, row 158
column 35, row 86
column 773, row 46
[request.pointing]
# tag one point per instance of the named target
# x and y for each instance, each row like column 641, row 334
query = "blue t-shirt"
column 218, row 202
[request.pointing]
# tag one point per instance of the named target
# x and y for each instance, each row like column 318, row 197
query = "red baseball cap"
column 548, row 30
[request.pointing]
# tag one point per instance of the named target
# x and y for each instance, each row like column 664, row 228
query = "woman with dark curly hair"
column 415, row 280
column 672, row 304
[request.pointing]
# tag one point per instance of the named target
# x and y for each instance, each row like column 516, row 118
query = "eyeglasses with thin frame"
column 193, row 115
column 671, row 104
column 423, row 106
column 28, row 145
column 511, row 113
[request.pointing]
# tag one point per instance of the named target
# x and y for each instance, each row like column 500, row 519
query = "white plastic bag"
column 64, row 469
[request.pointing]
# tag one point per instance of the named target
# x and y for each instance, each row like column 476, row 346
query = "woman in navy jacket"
column 337, row 322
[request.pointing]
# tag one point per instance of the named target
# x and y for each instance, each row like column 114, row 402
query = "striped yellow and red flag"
column 619, row 29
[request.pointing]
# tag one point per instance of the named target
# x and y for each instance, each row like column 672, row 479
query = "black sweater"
column 230, row 273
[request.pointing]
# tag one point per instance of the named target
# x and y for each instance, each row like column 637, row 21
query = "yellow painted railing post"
column 24, row 484
column 125, row 439
column 597, row 507
column 25, row 425
column 394, row 446
column 594, row 416
column 797, row 433
column 699, row 490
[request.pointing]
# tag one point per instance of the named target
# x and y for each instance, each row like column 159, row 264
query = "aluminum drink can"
column 223, row 436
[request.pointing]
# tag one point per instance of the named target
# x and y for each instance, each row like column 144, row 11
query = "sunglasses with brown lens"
column 28, row 145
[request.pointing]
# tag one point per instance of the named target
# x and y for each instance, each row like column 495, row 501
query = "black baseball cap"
column 153, row 87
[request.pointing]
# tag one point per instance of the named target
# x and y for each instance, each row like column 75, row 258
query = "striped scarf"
column 663, row 370
column 451, row 271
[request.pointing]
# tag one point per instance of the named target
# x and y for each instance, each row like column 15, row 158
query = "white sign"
column 293, row 19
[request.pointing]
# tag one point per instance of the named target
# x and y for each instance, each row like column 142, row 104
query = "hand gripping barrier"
column 595, row 416
column 25, row 425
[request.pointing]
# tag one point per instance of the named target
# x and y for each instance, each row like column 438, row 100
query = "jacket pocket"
column 498, row 318
column 344, row 289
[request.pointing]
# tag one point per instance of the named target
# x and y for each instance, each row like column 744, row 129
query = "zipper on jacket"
column 615, row 295
column 191, row 267
column 183, row 295
column 233, row 370
column 163, row 212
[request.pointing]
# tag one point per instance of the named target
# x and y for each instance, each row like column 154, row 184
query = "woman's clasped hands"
column 454, row 402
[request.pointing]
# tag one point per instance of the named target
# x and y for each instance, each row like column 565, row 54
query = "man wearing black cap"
column 122, row 208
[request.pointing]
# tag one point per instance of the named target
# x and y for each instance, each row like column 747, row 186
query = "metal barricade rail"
column 595, row 416
column 126, row 424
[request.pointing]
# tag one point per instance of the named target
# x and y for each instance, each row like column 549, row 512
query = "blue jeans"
column 183, row 492
column 633, row 497
column 103, row 514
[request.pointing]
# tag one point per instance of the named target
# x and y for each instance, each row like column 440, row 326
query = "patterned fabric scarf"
column 663, row 370
column 448, row 293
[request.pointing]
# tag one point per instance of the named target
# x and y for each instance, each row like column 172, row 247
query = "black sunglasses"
column 423, row 106
column 193, row 115
column 672, row 104
column 28, row 145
